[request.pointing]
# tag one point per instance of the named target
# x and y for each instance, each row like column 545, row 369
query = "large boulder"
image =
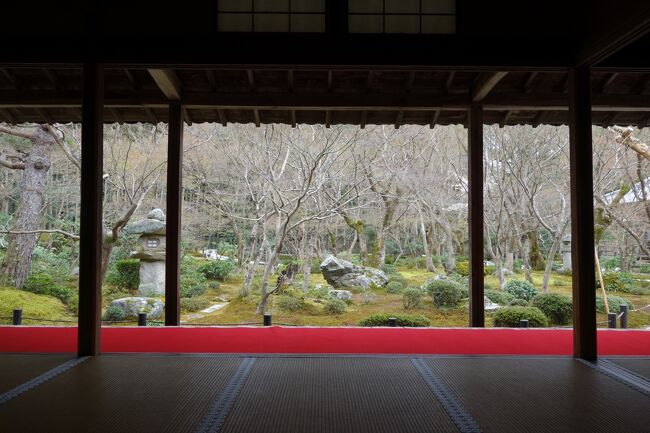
column 134, row 305
column 341, row 273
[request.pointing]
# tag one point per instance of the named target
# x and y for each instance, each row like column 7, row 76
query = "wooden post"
column 90, row 230
column 582, row 215
column 174, row 209
column 475, row 199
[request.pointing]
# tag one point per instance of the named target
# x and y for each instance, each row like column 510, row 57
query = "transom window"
column 152, row 243
column 402, row 16
column 307, row 16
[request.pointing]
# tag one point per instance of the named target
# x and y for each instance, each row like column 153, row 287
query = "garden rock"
column 132, row 306
column 341, row 273
column 489, row 305
column 343, row 295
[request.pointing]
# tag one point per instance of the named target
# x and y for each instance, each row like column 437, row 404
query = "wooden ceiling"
column 362, row 96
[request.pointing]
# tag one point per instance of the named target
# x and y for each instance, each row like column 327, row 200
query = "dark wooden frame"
column 90, row 230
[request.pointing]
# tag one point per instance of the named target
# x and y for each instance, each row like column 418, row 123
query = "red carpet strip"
column 277, row 339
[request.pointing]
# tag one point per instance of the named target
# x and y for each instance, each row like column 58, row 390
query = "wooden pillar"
column 174, row 209
column 582, row 214
column 90, row 239
column 475, row 216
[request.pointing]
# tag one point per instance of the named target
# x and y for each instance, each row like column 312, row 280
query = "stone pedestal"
column 152, row 278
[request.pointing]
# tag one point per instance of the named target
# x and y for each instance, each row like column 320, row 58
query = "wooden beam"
column 90, row 228
column 608, row 37
column 251, row 79
column 318, row 101
column 135, row 85
column 363, row 119
column 292, row 115
column 398, row 119
column 582, row 215
column 51, row 77
column 45, row 115
column 410, row 81
column 167, row 82
column 9, row 118
column 222, row 117
column 434, row 119
column 116, row 115
column 369, row 80
column 328, row 118
column 504, row 120
column 256, row 117
column 529, row 81
column 186, row 116
column 449, row 81
column 212, row 81
column 290, row 80
column 151, row 115
column 330, row 80
column 9, row 77
column 174, row 212
column 608, row 82
column 475, row 220
column 485, row 83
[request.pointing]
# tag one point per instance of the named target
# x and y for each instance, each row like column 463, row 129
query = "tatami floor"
column 329, row 394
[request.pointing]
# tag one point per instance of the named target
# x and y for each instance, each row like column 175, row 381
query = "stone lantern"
column 151, row 252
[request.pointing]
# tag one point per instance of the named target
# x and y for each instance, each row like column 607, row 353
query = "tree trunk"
column 426, row 234
column 549, row 261
column 18, row 258
column 261, row 307
column 536, row 259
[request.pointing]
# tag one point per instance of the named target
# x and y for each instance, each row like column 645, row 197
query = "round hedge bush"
column 518, row 303
column 290, row 303
column 520, row 289
column 499, row 297
column 394, row 287
column 194, row 304
column 114, row 313
column 335, row 306
column 444, row 293
column 399, row 278
column 406, row 320
column 411, row 298
column 509, row 317
column 614, row 303
column 217, row 269
column 558, row 308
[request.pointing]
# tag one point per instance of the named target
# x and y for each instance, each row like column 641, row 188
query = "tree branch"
column 15, row 132
column 32, row 232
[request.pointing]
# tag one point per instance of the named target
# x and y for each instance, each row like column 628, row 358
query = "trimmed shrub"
column 65, row 294
column 190, row 291
column 399, row 278
column 335, row 306
column 518, row 303
column 499, row 297
column 389, row 269
column 406, row 320
column 558, row 308
column 192, row 280
column 290, row 303
column 617, row 281
column 559, row 283
column 194, row 304
column 462, row 268
column 411, row 298
column 509, row 317
column 614, row 302
column 394, row 287
column 520, row 289
column 217, row 269
column 39, row 283
column 444, row 293
column 114, row 313
column 125, row 274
